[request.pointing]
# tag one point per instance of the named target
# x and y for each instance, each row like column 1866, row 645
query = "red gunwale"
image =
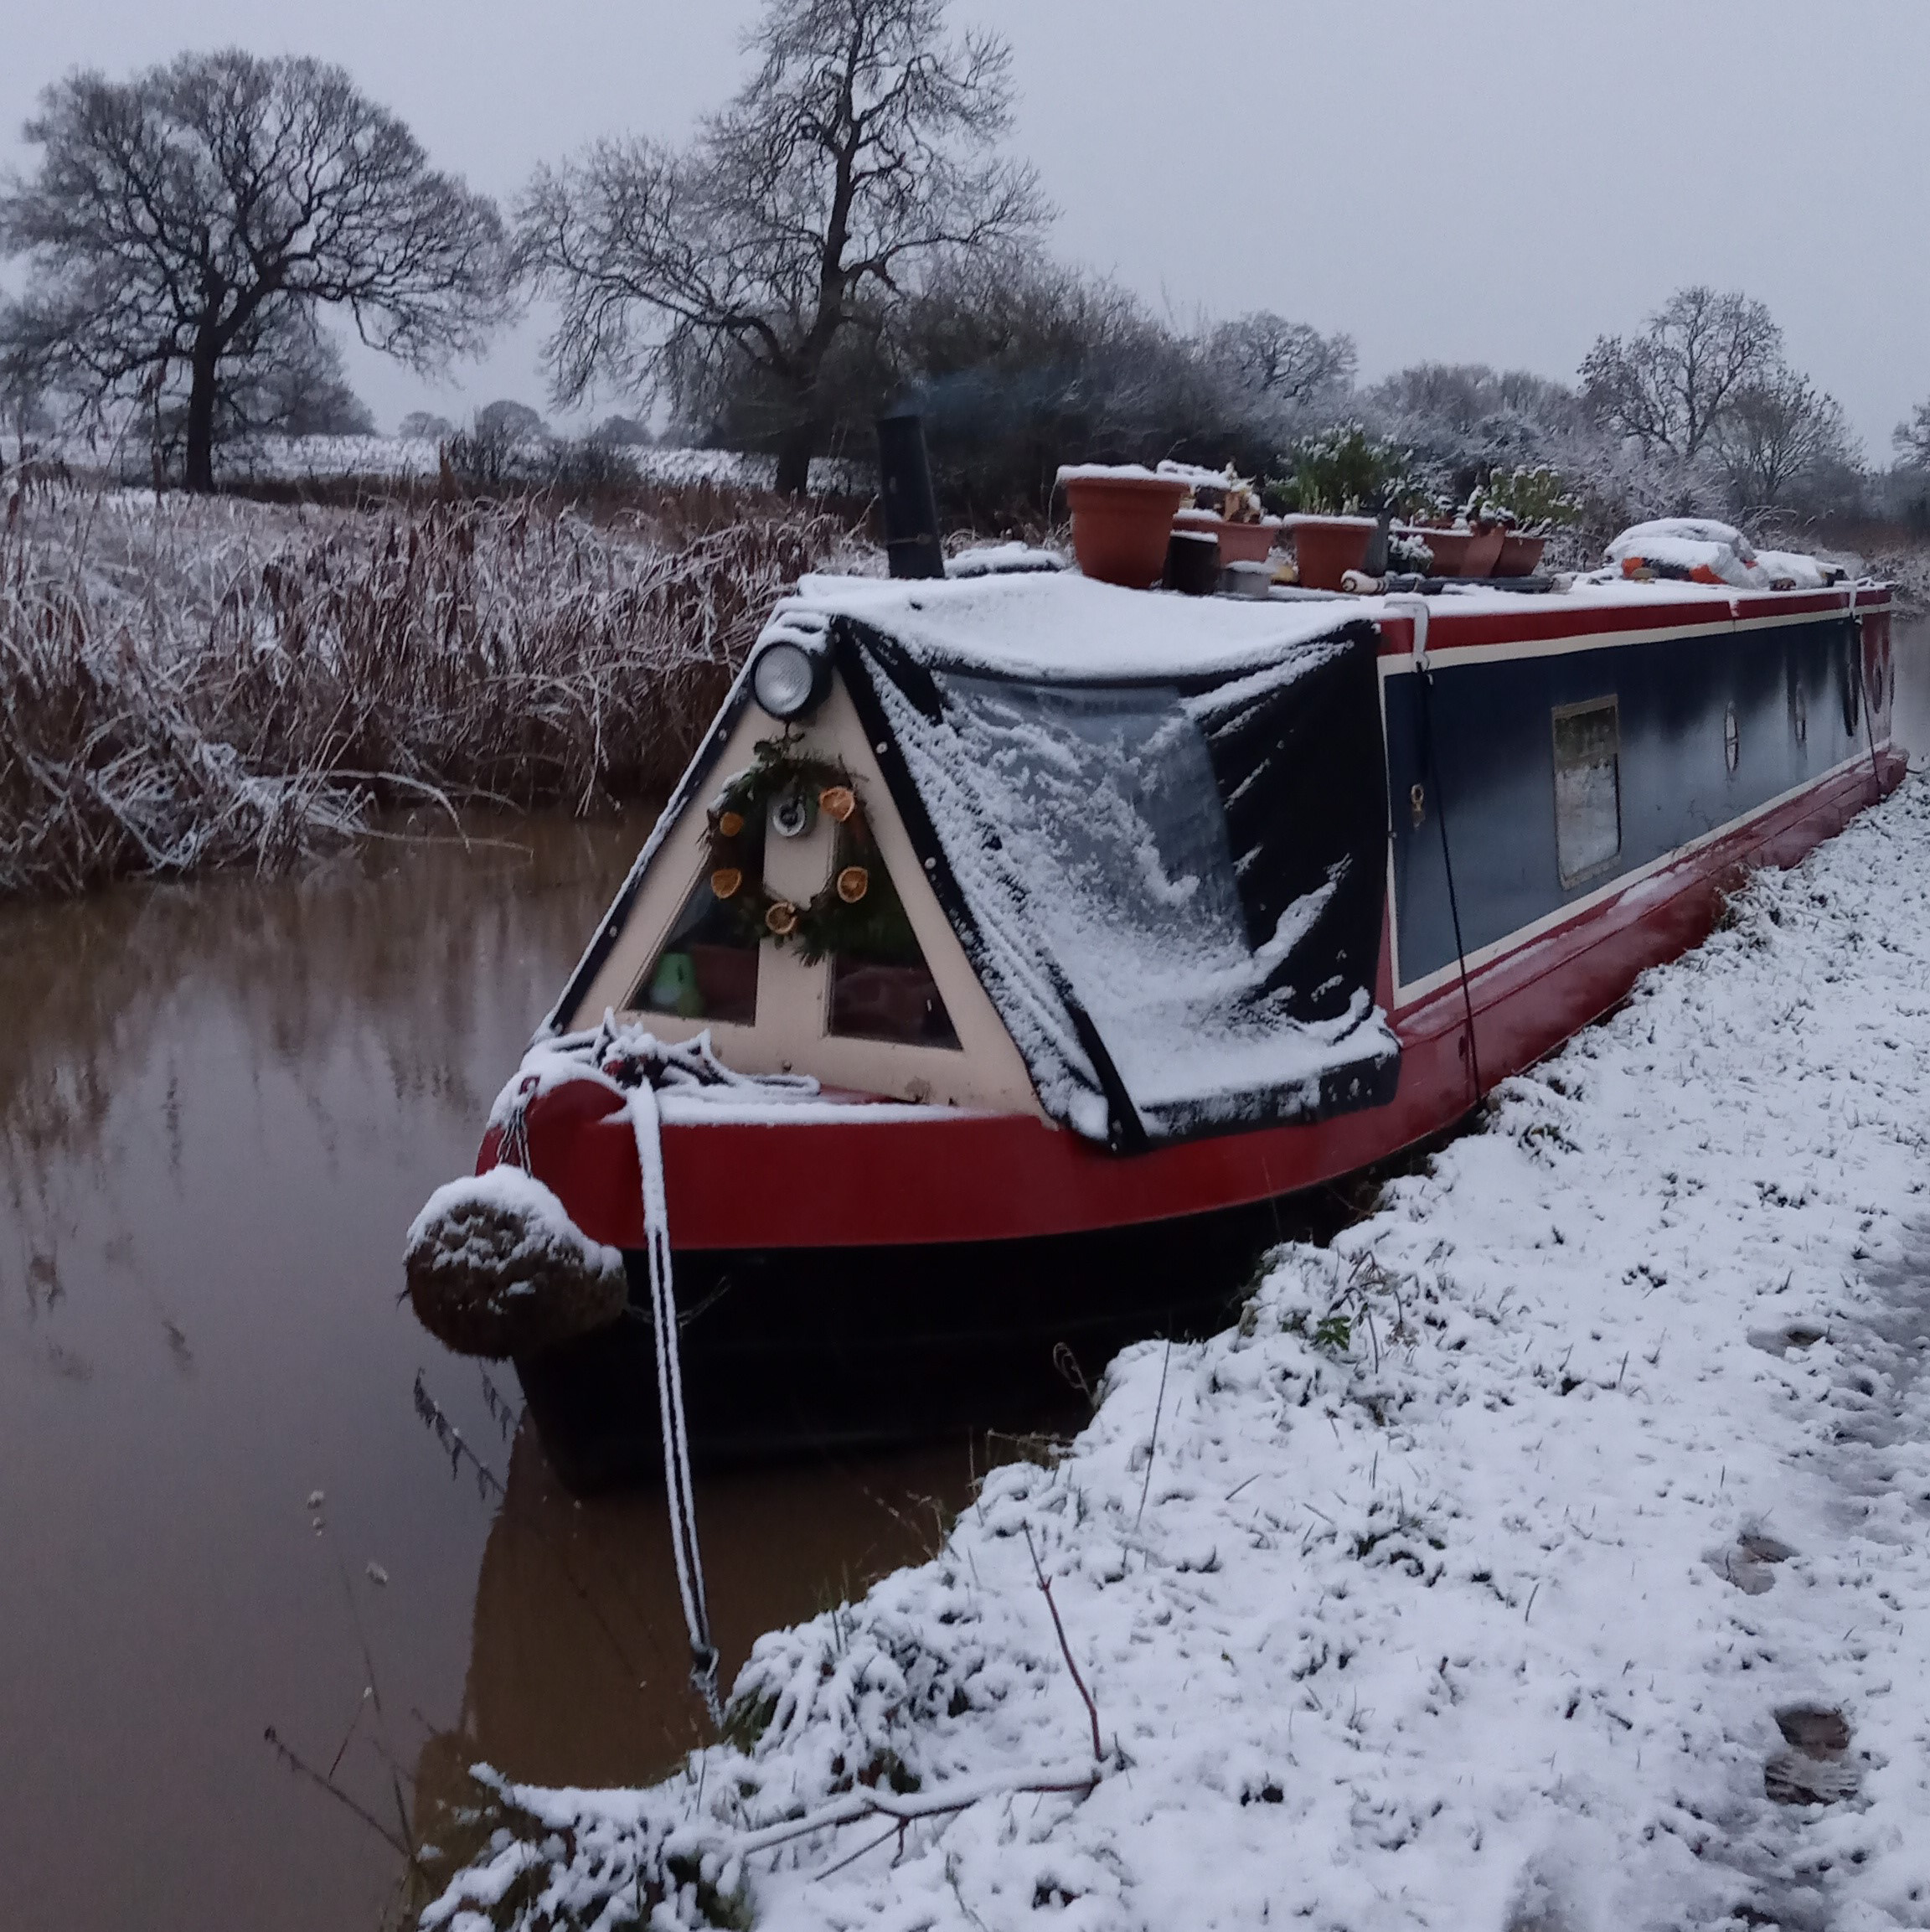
column 1449, row 629
column 980, row 1177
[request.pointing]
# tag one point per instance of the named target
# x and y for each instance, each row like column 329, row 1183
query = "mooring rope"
column 1416, row 610
column 645, row 1122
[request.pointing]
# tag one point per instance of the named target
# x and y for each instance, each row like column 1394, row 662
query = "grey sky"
column 1498, row 181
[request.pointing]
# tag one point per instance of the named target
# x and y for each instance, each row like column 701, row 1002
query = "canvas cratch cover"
column 1170, row 885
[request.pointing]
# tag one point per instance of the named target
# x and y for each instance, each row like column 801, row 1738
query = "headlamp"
column 788, row 680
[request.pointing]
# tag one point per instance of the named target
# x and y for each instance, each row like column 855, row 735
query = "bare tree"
column 295, row 385
column 1777, row 429
column 1668, row 387
column 860, row 152
column 1289, row 361
column 183, row 222
column 1912, row 440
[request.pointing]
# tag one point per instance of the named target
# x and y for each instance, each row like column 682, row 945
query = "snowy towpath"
column 1544, row 1554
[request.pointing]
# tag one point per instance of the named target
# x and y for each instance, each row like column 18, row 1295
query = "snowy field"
column 324, row 458
column 1548, row 1553
column 402, row 458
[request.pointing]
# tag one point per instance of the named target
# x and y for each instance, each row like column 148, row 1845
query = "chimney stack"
column 910, row 510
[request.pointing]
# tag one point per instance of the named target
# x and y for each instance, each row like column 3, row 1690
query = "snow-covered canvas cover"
column 1157, row 825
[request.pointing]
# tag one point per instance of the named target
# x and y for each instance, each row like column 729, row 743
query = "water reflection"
column 578, row 1663
column 220, row 1105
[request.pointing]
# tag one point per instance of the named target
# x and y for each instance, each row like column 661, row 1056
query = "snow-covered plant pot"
column 1449, row 547
column 1240, row 542
column 1483, row 552
column 1326, row 548
column 1121, row 520
column 496, row 1268
column 1520, row 555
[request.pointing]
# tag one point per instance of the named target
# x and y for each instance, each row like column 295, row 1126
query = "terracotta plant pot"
column 1483, row 552
column 1121, row 523
column 1239, row 543
column 1450, row 548
column 1326, row 548
column 1520, row 556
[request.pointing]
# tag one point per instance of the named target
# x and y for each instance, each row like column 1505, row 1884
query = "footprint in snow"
column 1814, row 1769
column 1750, row 1561
column 1795, row 1334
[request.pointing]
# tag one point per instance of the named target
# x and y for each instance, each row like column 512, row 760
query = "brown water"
column 220, row 1106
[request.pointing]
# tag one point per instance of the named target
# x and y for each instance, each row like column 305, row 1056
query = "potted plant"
column 1224, row 505
column 1446, row 542
column 1338, row 476
column 1121, row 520
column 1533, row 503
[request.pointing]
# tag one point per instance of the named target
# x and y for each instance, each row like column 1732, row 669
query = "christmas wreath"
column 857, row 912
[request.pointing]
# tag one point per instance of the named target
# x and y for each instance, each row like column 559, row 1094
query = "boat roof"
column 1058, row 626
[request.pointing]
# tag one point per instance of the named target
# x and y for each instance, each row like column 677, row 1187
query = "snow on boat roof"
column 1065, row 625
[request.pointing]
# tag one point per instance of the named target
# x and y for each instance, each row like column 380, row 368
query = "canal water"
column 222, row 1513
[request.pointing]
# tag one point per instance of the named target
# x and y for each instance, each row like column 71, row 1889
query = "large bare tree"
column 1669, row 386
column 1290, row 361
column 862, row 150
column 1779, row 430
column 184, row 226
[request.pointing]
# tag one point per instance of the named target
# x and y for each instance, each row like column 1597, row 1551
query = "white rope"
column 637, row 1062
column 676, row 1483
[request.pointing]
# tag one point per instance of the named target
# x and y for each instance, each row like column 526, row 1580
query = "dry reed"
column 187, row 683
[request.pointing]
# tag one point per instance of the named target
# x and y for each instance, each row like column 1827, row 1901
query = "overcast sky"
column 1498, row 182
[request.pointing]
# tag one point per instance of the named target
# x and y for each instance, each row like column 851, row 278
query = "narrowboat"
column 1012, row 937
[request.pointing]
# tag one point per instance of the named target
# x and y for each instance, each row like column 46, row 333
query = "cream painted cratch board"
column 793, row 999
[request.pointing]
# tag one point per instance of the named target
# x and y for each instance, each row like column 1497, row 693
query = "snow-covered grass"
column 1462, row 1584
column 186, row 683
column 397, row 459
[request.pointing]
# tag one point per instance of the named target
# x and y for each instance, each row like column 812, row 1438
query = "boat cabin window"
column 1587, row 787
column 707, row 967
column 880, row 986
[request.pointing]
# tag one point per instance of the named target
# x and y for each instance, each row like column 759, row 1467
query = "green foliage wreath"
column 856, row 912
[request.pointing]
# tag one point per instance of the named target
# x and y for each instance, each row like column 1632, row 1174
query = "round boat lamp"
column 788, row 680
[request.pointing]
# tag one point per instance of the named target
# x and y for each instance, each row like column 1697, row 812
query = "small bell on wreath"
column 730, row 824
column 853, row 882
column 838, row 802
column 782, row 919
column 726, row 882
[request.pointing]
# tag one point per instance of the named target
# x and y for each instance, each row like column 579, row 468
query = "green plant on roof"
column 1534, row 500
column 1344, row 471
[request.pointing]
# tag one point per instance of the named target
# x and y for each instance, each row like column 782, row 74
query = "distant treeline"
column 847, row 231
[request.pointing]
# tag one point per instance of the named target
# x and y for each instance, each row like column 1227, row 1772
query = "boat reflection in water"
column 579, row 1670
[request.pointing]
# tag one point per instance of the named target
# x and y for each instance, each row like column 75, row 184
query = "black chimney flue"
column 910, row 510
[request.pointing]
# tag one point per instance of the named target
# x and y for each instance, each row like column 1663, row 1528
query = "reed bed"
column 189, row 683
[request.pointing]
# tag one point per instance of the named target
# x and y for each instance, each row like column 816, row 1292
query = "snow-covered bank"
column 1463, row 1584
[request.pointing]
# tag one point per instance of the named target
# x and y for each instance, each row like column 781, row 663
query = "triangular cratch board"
column 922, row 1032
